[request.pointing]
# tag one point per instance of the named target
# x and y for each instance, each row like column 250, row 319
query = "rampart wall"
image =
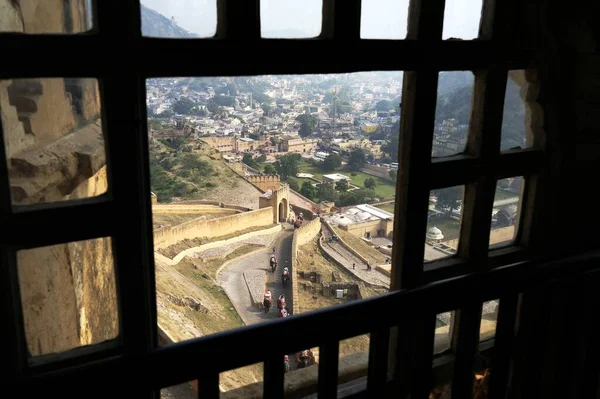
column 168, row 236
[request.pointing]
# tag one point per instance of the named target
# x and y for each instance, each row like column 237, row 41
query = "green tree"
column 356, row 159
column 155, row 124
column 326, row 192
column 269, row 169
column 294, row 185
column 341, row 185
column 214, row 108
column 266, row 108
column 273, row 141
column 222, row 101
column 308, row 124
column 308, row 190
column 167, row 113
column 248, row 160
column 261, row 158
column 287, row 165
column 393, row 175
column 449, row 198
column 183, row 106
column 391, row 147
column 331, row 162
column 370, row 183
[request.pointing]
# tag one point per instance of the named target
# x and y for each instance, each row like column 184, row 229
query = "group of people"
column 281, row 304
column 369, row 268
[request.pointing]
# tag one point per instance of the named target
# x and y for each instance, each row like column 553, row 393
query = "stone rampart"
column 198, row 228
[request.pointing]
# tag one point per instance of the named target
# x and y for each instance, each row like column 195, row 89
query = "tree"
column 261, row 158
column 393, row 175
column 356, row 159
column 155, row 124
column 293, row 183
column 370, row 183
column 308, row 124
column 341, row 185
column 269, row 169
column 248, row 160
column 448, row 199
column 326, row 192
column 183, row 106
column 266, row 108
column 331, row 162
column 391, row 147
column 287, row 165
column 222, row 101
column 273, row 142
column 308, row 191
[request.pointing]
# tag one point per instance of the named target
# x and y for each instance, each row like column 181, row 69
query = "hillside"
column 456, row 103
column 183, row 169
column 157, row 25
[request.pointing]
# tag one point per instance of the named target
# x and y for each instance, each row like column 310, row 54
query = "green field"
column 305, row 167
column 385, row 189
column 387, row 207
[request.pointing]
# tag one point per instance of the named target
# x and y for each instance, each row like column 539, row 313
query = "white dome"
column 434, row 234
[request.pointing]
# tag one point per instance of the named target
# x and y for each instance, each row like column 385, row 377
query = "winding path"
column 231, row 278
column 347, row 259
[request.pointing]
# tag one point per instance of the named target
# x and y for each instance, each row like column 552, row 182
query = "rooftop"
column 336, row 177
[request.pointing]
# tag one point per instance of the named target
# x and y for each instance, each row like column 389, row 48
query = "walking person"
column 353, row 266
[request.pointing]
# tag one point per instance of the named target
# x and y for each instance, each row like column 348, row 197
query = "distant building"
column 365, row 221
column 298, row 145
column 334, row 178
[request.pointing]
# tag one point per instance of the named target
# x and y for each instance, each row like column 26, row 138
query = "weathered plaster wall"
column 168, row 236
column 68, row 290
column 56, row 152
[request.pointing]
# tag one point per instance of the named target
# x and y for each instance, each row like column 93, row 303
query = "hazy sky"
column 384, row 19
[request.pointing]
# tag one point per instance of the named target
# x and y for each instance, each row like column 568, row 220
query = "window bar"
column 208, row 385
column 328, row 369
column 503, row 344
column 341, row 19
column 273, row 377
column 466, row 339
column 14, row 352
column 414, row 354
column 412, row 341
column 378, row 359
column 122, row 94
column 238, row 19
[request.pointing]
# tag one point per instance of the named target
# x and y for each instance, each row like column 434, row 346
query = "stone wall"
column 302, row 235
column 55, row 149
column 377, row 171
column 68, row 291
column 265, row 182
column 345, row 245
column 360, row 229
column 168, row 236
column 503, row 234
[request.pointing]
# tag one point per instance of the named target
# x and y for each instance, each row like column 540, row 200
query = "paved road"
column 232, row 280
column 346, row 258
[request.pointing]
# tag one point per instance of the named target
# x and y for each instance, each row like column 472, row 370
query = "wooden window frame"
column 121, row 59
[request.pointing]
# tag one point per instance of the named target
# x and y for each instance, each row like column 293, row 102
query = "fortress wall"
column 303, row 235
column 265, row 182
column 168, row 236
